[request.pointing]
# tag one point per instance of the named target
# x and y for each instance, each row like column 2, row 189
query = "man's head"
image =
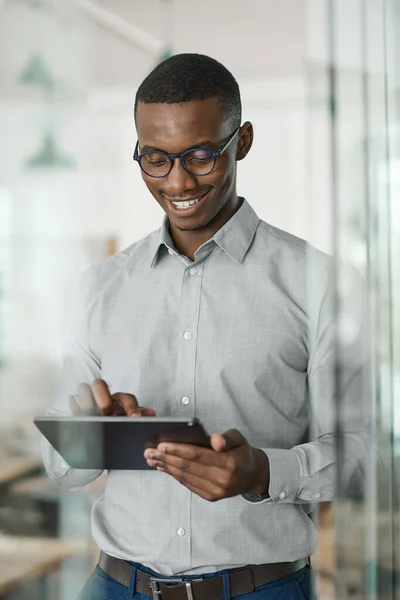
column 191, row 101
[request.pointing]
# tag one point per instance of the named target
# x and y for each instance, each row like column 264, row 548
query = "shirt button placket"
column 185, row 403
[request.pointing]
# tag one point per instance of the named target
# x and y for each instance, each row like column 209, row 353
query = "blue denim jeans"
column 297, row 586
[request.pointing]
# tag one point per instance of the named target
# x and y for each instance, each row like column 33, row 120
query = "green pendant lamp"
column 37, row 73
column 49, row 156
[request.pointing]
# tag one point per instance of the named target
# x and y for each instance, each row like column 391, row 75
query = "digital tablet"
column 116, row 442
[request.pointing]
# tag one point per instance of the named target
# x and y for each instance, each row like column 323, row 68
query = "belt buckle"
column 155, row 585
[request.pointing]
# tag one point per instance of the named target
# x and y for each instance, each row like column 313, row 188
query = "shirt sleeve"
column 81, row 364
column 339, row 382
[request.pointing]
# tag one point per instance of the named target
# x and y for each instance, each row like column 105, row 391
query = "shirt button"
column 64, row 465
column 185, row 400
column 282, row 495
column 318, row 495
column 193, row 272
column 180, row 531
column 187, row 335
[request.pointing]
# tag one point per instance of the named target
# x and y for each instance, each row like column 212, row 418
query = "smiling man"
column 210, row 316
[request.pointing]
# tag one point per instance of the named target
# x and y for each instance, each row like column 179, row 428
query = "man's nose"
column 179, row 179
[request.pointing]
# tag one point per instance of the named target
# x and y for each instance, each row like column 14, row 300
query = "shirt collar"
column 162, row 240
column 236, row 235
column 234, row 238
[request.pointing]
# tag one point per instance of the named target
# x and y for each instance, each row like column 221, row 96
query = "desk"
column 25, row 559
column 14, row 466
column 42, row 486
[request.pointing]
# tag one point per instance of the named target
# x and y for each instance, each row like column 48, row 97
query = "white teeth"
column 185, row 204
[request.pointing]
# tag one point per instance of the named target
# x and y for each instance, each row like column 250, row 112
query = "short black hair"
column 186, row 77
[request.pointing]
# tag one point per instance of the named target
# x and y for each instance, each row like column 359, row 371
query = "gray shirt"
column 234, row 339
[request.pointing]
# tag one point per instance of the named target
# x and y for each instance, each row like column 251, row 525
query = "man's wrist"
column 261, row 485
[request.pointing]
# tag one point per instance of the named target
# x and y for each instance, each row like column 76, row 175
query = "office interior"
column 320, row 81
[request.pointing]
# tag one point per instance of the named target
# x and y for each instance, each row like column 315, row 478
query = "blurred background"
column 320, row 80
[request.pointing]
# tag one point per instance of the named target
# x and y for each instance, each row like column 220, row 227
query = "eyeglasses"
column 196, row 161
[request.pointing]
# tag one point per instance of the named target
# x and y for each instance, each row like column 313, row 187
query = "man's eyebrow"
column 203, row 144
column 146, row 148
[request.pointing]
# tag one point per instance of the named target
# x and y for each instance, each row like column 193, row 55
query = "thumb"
column 227, row 441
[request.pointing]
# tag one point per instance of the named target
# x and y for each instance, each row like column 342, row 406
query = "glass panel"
column 70, row 196
column 390, row 176
column 354, row 77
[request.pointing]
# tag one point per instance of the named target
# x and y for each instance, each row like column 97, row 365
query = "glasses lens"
column 155, row 164
column 199, row 162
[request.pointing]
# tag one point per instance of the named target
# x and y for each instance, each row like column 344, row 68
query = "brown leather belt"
column 242, row 580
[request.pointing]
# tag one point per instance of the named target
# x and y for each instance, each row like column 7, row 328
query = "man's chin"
column 194, row 227
column 196, row 223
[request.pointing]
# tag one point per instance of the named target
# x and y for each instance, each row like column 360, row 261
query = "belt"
column 242, row 580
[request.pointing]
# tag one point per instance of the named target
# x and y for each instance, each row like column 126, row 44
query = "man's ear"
column 245, row 140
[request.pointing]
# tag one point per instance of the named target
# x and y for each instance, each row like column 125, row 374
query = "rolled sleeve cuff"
column 62, row 473
column 284, row 466
column 53, row 461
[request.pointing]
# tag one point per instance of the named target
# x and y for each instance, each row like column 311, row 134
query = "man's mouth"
column 185, row 203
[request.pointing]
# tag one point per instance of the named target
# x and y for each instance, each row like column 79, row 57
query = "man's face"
column 174, row 128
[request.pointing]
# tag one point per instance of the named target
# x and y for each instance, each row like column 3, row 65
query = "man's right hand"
column 97, row 400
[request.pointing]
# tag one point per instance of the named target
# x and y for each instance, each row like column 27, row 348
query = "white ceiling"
column 255, row 39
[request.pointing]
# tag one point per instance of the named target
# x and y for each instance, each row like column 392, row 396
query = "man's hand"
column 97, row 400
column 231, row 467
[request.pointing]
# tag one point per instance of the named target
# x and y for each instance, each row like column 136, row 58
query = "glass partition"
column 354, row 89
column 70, row 196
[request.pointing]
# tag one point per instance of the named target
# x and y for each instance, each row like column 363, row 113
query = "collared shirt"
column 241, row 337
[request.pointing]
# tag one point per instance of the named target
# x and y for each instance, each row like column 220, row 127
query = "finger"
column 227, row 441
column 102, row 397
column 205, row 456
column 147, row 412
column 205, row 488
column 212, row 473
column 218, row 442
column 86, row 399
column 153, row 457
column 129, row 403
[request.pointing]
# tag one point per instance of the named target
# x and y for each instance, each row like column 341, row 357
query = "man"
column 210, row 316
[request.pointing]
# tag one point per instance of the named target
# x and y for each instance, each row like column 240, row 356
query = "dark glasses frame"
column 171, row 157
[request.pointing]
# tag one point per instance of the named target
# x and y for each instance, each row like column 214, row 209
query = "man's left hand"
column 229, row 468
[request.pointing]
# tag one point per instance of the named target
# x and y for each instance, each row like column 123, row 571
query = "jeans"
column 297, row 586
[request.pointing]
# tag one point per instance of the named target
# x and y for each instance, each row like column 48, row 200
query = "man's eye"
column 155, row 159
column 199, row 157
column 200, row 161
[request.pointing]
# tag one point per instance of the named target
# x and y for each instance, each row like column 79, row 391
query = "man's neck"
column 188, row 242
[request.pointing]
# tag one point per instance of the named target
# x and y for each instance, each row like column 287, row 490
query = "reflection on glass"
column 363, row 83
column 55, row 222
